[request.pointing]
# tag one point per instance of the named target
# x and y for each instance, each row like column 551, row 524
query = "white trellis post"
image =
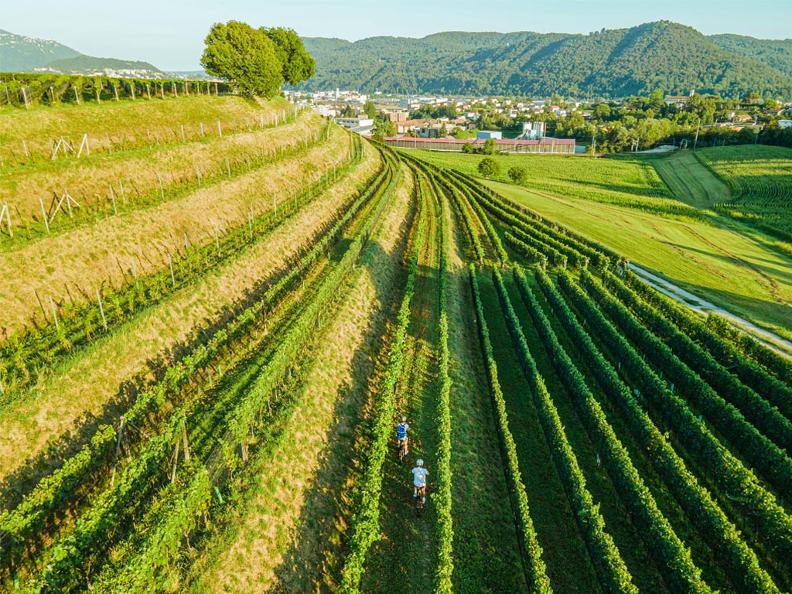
column 54, row 313
column 6, row 213
column 44, row 214
column 84, row 145
column 219, row 129
column 170, row 265
column 101, row 308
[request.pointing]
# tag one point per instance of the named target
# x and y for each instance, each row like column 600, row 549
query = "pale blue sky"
column 169, row 33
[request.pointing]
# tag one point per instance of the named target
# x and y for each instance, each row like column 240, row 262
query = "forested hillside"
column 612, row 63
column 774, row 52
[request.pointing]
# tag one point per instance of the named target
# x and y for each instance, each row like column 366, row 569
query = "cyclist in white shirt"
column 419, row 480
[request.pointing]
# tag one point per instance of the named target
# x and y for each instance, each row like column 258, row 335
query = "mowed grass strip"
column 625, row 181
column 486, row 548
column 82, row 385
column 689, row 180
column 141, row 240
column 290, row 525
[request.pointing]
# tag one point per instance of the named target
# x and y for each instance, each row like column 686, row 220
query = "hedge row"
column 445, row 562
column 528, row 252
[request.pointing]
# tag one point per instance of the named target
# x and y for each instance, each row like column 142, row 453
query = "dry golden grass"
column 135, row 123
column 90, row 255
column 140, row 171
column 276, row 524
column 84, row 384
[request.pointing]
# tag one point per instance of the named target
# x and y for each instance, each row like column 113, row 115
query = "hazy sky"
column 169, row 33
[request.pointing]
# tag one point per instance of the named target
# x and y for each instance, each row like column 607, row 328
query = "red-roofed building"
column 561, row 146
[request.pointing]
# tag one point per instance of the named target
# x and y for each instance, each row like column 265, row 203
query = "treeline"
column 27, row 89
column 643, row 122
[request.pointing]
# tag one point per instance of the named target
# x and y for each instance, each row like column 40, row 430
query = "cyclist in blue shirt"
column 401, row 436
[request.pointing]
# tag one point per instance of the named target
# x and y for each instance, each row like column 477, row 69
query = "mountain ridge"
column 607, row 63
column 21, row 53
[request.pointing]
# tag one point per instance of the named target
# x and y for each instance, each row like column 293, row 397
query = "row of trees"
column 256, row 61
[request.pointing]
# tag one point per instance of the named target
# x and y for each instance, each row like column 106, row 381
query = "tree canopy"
column 256, row 61
column 297, row 64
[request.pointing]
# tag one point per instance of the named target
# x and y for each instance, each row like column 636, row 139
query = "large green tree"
column 297, row 64
column 245, row 56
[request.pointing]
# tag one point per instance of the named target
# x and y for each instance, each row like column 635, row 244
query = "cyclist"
column 419, row 480
column 401, row 436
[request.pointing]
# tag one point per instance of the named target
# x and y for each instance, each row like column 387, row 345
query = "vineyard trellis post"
column 170, row 265
column 112, row 198
column 44, row 215
column 219, row 129
column 101, row 307
column 84, row 145
column 5, row 213
column 54, row 313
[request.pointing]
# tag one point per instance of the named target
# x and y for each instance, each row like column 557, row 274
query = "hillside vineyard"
column 213, row 324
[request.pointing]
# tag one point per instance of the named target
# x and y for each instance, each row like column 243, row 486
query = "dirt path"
column 702, row 306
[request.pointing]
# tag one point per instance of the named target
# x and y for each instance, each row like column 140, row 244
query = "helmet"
column 419, row 462
column 404, row 419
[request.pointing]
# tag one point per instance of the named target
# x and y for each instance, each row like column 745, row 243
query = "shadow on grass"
column 313, row 561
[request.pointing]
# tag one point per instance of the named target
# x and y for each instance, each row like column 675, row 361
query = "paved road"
column 696, row 303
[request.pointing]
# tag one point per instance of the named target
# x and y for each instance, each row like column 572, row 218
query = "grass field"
column 744, row 273
column 632, row 182
column 219, row 415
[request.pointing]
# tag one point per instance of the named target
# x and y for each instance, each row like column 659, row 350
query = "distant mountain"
column 607, row 63
column 83, row 63
column 23, row 54
column 773, row 52
column 19, row 53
